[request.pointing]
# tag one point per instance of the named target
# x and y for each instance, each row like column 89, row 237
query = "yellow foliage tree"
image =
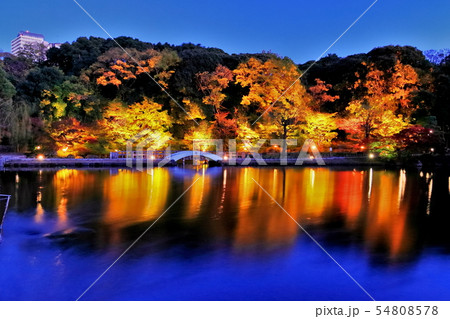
column 385, row 107
column 122, row 123
column 374, row 120
column 245, row 131
column 193, row 109
column 275, row 90
column 198, row 132
column 319, row 127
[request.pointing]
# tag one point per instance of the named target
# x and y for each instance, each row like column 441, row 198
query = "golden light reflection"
column 430, row 192
column 70, row 185
column 401, row 186
column 315, row 195
column 369, row 193
column 224, row 190
column 133, row 197
column 316, row 192
column 349, row 196
column 62, row 210
column 387, row 216
column 38, row 218
column 196, row 196
column 372, row 203
column 260, row 220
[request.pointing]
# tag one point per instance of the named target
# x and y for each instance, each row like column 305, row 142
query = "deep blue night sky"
column 301, row 30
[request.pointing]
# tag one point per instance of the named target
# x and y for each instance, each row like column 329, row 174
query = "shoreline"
column 102, row 162
column 22, row 162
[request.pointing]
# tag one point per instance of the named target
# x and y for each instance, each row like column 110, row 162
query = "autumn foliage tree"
column 320, row 94
column 121, row 67
column 73, row 138
column 90, row 97
column 122, row 123
column 320, row 127
column 384, row 106
column 212, row 85
column 274, row 91
column 417, row 139
column 129, row 74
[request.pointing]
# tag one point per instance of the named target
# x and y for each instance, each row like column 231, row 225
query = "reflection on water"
column 390, row 216
column 133, row 198
column 382, row 206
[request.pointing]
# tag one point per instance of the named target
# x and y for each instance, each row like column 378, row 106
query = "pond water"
column 225, row 238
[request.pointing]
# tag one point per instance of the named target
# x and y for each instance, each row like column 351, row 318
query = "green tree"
column 7, row 91
column 71, row 98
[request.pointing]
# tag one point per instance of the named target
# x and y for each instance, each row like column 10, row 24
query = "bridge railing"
column 149, row 153
column 238, row 155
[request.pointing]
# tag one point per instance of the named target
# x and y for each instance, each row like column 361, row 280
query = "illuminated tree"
column 417, row 139
column 212, row 84
column 193, row 109
column 119, row 68
column 131, row 76
column 245, row 131
column 122, row 123
column 275, row 91
column 72, row 99
column 384, row 106
column 320, row 95
column 386, row 148
column 320, row 127
column 223, row 126
column 403, row 83
column 374, row 120
column 198, row 132
column 73, row 138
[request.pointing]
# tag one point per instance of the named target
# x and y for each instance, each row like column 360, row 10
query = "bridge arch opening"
column 185, row 154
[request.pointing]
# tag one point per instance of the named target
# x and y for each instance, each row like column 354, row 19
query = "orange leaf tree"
column 384, row 106
column 128, row 73
column 73, row 138
column 320, row 95
column 212, row 85
column 275, row 92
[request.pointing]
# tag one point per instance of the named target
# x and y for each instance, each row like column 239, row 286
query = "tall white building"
column 26, row 39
